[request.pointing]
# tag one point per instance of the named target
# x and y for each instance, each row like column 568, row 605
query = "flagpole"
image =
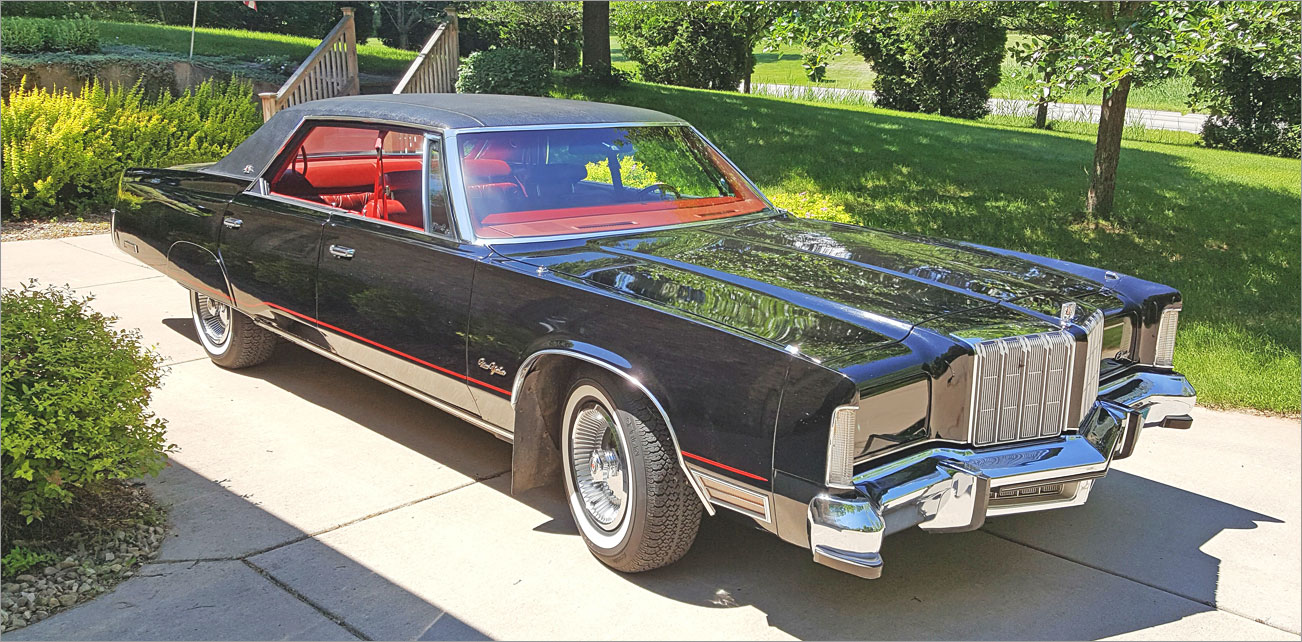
column 194, row 20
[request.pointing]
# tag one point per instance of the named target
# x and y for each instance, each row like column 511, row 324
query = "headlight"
column 840, row 447
column 1163, row 357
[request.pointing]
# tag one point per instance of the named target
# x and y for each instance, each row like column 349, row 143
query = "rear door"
column 394, row 293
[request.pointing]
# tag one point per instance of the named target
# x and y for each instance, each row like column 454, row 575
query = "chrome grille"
column 1023, row 384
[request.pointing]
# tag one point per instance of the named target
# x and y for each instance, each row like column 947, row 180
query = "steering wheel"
column 664, row 189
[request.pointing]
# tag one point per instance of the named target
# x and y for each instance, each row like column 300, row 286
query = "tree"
column 596, row 39
column 823, row 30
column 1040, row 55
column 405, row 24
column 1114, row 46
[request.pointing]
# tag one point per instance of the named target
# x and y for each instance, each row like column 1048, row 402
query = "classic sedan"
column 601, row 287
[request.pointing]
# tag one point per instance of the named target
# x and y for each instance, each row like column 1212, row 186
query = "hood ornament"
column 1067, row 313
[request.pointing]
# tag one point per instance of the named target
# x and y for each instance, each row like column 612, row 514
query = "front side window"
column 371, row 171
column 567, row 181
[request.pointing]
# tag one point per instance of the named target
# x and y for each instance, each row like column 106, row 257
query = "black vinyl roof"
column 427, row 111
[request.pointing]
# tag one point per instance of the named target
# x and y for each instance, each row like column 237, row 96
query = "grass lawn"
column 850, row 71
column 246, row 45
column 1221, row 226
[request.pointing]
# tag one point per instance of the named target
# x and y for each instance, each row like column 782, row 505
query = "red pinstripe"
column 723, row 466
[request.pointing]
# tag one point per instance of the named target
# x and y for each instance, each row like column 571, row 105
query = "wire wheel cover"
column 600, row 473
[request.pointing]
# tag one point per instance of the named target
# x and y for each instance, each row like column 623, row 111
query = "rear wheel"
column 626, row 491
column 231, row 339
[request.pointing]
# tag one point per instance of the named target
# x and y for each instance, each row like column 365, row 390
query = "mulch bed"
column 54, row 228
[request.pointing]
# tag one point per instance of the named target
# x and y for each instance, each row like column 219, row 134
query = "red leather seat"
column 391, row 207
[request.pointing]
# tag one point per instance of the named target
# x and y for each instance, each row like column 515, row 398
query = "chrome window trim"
column 462, row 209
column 528, row 363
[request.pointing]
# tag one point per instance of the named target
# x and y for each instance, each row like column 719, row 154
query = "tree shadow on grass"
column 972, row 585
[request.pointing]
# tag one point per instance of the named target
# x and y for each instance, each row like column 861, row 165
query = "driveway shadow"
column 233, row 598
column 1012, row 580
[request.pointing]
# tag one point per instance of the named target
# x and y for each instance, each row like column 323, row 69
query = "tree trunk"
column 596, row 39
column 745, row 84
column 1107, row 149
column 1042, row 105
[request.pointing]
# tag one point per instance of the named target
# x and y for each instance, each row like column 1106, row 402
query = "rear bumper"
column 955, row 489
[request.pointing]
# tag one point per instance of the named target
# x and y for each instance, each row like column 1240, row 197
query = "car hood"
column 824, row 289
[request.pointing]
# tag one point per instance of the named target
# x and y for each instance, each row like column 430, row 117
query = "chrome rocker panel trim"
column 955, row 489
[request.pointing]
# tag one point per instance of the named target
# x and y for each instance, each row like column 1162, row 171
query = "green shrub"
column 1251, row 111
column 20, row 558
column 939, row 61
column 19, row 35
column 505, row 71
column 681, row 43
column 552, row 28
column 33, row 35
column 64, row 154
column 76, row 401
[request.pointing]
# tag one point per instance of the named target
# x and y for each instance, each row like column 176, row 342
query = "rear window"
column 567, row 181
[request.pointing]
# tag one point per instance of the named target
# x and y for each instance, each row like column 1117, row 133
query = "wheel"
column 626, row 491
column 231, row 339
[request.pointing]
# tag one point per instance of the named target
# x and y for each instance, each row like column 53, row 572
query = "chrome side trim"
column 524, row 368
column 731, row 496
column 445, row 407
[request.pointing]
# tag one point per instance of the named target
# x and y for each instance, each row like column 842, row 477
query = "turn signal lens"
column 840, row 447
column 1164, row 357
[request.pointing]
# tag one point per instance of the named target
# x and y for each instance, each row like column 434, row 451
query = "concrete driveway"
column 309, row 502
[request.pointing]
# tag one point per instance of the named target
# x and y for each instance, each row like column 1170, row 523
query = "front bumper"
column 955, row 489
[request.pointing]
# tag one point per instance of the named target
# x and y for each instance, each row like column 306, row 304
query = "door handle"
column 232, row 222
column 341, row 252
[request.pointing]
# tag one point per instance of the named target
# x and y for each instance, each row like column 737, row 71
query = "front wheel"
column 626, row 491
column 231, row 339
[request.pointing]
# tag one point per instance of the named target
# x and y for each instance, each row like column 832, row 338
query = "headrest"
column 485, row 170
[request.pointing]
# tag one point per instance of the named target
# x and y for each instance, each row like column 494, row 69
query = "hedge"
column 938, row 61
column 64, row 153
column 35, row 35
column 505, row 71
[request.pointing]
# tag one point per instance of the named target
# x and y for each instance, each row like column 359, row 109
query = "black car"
column 600, row 286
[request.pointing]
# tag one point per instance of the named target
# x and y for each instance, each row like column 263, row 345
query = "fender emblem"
column 492, row 368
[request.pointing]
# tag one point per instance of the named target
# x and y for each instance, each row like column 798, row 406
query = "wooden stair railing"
column 435, row 69
column 330, row 70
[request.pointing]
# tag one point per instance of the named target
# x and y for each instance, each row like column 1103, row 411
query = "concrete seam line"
column 107, row 256
column 1136, row 580
column 363, row 518
column 143, row 278
column 177, row 363
column 304, row 599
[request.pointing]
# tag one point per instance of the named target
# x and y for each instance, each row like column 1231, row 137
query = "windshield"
column 569, row 181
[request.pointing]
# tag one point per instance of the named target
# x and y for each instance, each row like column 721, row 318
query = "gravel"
column 92, row 563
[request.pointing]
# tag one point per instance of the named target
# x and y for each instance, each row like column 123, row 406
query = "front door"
column 394, row 293
column 270, row 246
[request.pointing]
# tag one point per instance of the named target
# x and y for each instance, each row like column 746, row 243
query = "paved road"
column 310, row 502
column 1150, row 118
